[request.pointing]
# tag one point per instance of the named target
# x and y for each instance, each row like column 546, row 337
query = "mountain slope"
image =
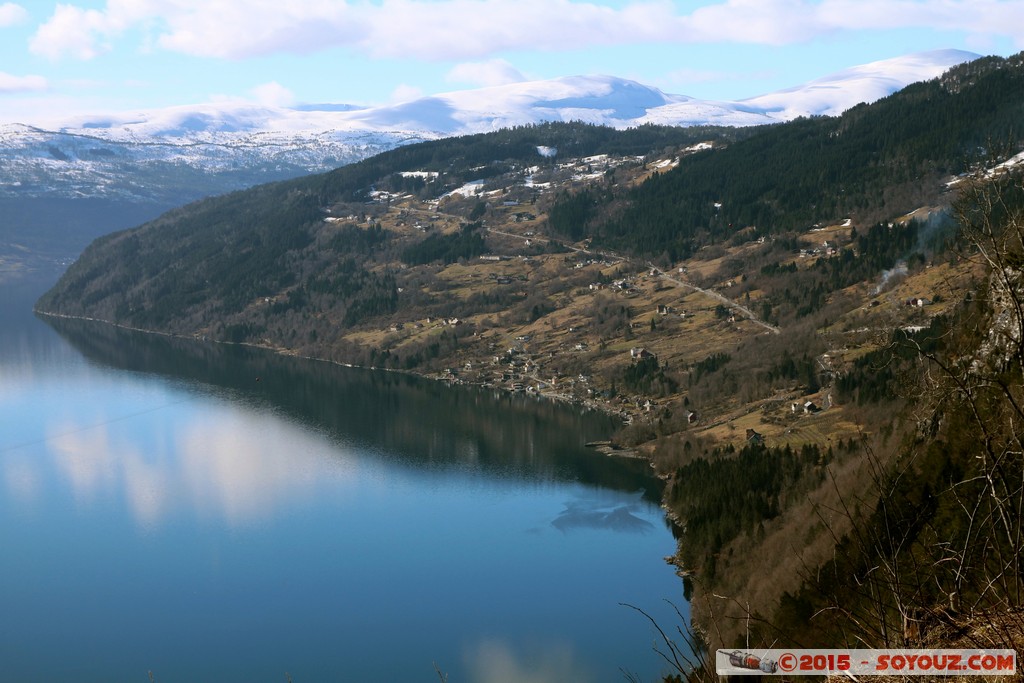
column 873, row 162
column 186, row 152
column 835, row 93
column 181, row 161
column 208, row 263
column 211, row 260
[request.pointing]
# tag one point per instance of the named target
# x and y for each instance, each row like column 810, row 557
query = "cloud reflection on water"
column 494, row 661
column 223, row 462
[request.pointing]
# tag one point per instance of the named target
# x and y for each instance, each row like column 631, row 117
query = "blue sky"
column 97, row 56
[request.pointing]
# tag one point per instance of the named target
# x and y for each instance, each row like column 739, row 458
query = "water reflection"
column 246, row 465
column 184, row 518
column 86, row 458
column 495, row 661
column 605, row 514
column 427, row 423
column 22, row 479
column 234, row 466
column 27, row 351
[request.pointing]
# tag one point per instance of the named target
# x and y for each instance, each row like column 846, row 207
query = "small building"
column 754, row 437
column 811, row 407
column 640, row 353
column 692, row 417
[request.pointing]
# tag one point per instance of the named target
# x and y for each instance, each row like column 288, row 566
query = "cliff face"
column 1003, row 346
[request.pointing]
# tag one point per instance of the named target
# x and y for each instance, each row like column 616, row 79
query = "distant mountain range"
column 178, row 154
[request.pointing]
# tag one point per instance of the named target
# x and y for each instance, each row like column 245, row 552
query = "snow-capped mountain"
column 146, row 161
column 189, row 151
column 827, row 96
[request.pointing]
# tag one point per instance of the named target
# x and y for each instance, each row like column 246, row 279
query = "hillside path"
column 614, row 258
column 715, row 295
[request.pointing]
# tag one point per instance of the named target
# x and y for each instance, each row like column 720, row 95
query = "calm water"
column 218, row 514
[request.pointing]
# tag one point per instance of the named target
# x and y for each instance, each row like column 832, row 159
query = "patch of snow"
column 834, row 94
column 470, row 189
column 1009, row 163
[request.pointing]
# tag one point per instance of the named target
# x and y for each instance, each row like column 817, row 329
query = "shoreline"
column 606, row 447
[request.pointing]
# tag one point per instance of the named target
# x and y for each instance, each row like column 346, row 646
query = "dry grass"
column 940, row 629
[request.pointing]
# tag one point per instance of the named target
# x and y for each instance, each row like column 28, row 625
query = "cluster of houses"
column 446, row 322
column 827, row 249
column 621, row 285
column 591, row 262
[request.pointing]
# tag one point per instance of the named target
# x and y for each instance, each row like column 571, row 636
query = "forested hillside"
column 869, row 164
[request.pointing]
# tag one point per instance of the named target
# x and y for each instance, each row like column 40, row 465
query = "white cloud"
column 73, row 31
column 484, row 74
column 230, row 29
column 244, row 28
column 405, row 93
column 9, row 83
column 988, row 18
column 473, row 29
column 764, row 22
column 12, row 14
column 274, row 94
column 466, row 29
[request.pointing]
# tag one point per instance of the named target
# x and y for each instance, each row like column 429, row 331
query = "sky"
column 103, row 56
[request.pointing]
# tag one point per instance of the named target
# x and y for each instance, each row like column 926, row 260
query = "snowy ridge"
column 834, row 94
column 602, row 100
column 828, row 96
column 231, row 145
